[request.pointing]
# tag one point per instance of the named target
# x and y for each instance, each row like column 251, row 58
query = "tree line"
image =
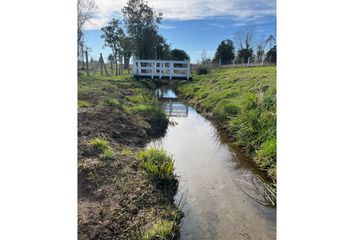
column 247, row 50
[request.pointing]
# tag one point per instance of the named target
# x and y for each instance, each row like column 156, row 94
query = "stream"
column 217, row 192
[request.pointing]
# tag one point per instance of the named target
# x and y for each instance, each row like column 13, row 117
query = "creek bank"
column 116, row 197
column 242, row 103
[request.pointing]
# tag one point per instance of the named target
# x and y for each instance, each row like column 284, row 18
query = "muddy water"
column 214, row 193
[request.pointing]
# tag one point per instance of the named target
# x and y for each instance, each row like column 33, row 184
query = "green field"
column 243, row 102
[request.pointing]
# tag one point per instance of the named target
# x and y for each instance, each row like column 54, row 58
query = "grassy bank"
column 243, row 102
column 124, row 192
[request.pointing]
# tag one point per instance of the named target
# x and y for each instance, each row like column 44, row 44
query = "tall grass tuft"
column 101, row 146
column 158, row 164
column 162, row 229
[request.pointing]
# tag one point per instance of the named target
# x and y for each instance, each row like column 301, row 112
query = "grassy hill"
column 243, row 102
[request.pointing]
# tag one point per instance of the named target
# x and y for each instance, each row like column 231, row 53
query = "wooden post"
column 105, row 69
column 87, row 66
column 101, row 64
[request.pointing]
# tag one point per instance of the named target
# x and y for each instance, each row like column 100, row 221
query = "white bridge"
column 161, row 69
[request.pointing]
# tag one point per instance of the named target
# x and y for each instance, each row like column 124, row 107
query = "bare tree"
column 246, row 36
column 85, row 11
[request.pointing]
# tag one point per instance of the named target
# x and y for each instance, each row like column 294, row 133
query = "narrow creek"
column 215, row 192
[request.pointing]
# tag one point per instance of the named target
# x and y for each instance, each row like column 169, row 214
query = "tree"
column 85, row 11
column 111, row 60
column 244, row 54
column 127, row 46
column 179, row 54
column 245, row 40
column 162, row 49
column 245, row 37
column 112, row 35
column 225, row 52
column 142, row 26
column 272, row 55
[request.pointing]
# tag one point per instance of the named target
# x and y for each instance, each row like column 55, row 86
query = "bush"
column 162, row 229
column 202, row 70
column 157, row 164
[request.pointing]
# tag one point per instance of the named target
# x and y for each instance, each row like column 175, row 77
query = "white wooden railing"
column 161, row 69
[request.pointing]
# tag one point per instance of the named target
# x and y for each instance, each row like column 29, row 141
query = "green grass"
column 122, row 93
column 162, row 229
column 158, row 164
column 112, row 102
column 152, row 112
column 243, row 101
column 84, row 104
column 102, row 147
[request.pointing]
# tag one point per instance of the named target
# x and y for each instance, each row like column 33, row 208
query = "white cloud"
column 189, row 9
column 167, row 27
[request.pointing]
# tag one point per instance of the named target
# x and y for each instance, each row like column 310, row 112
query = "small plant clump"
column 84, row 104
column 202, row 70
column 101, row 146
column 162, row 229
column 158, row 164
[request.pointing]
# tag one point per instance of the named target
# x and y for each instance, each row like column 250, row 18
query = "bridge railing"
column 161, row 69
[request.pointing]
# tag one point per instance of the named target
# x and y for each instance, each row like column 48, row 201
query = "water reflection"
column 170, row 103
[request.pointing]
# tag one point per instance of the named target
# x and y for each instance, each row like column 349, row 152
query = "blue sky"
column 190, row 27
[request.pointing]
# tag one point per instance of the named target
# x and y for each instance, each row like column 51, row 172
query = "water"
column 214, row 193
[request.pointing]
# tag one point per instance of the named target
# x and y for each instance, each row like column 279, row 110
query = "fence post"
column 87, row 66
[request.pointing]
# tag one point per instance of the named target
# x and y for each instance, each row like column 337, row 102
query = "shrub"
column 162, row 229
column 84, row 104
column 202, row 70
column 157, row 164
